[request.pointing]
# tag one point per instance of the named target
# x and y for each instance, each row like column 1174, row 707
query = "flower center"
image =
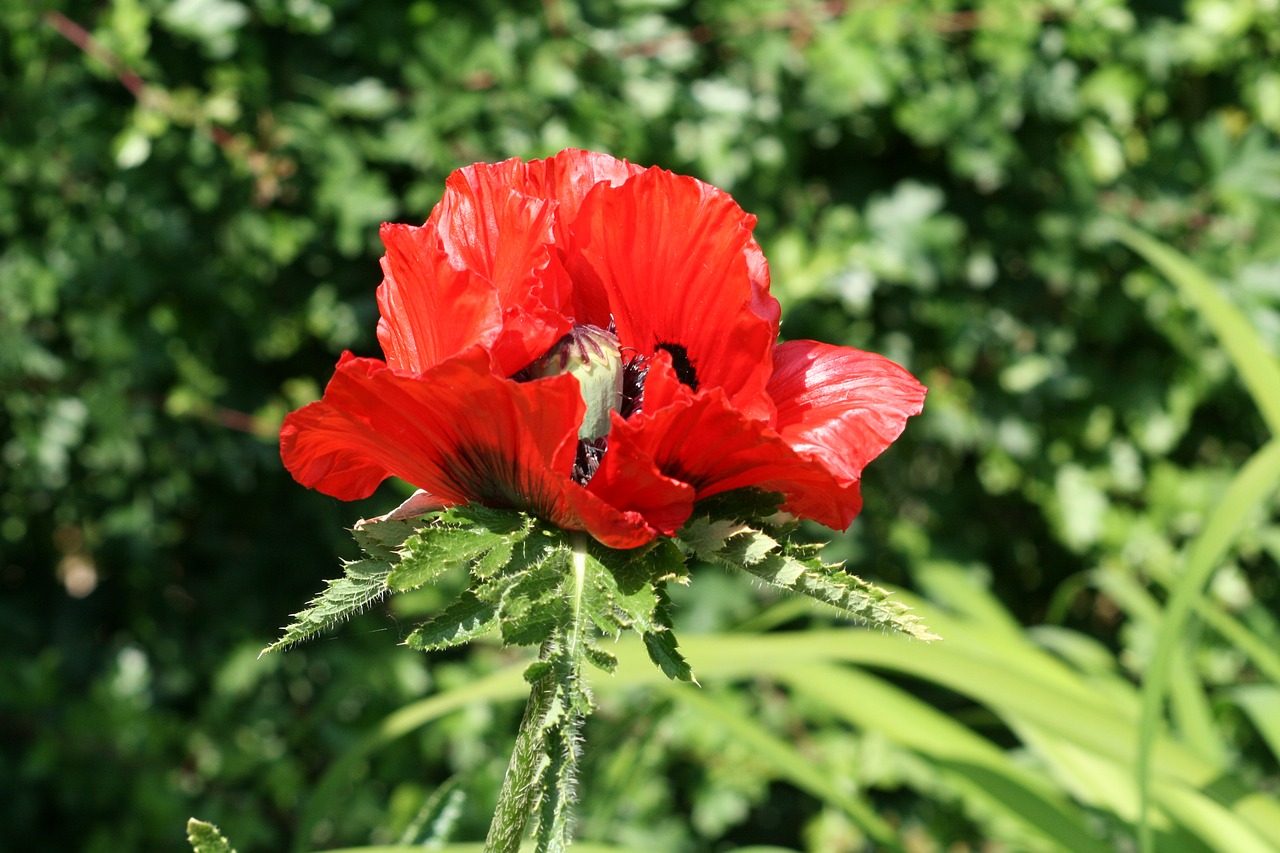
column 592, row 356
column 607, row 383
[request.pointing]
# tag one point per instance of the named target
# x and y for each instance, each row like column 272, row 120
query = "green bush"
column 188, row 240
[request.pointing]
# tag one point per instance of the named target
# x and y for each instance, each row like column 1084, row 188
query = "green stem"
column 516, row 802
column 541, row 778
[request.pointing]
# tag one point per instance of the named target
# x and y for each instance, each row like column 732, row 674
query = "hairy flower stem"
column 541, row 778
column 519, row 787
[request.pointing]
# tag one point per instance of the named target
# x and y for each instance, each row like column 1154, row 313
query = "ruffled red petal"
column 564, row 179
column 670, row 260
column 467, row 436
column 483, row 269
column 568, row 177
column 456, row 431
column 702, row 439
column 490, row 228
column 431, row 310
column 506, row 237
column 629, row 479
column 511, row 257
column 840, row 406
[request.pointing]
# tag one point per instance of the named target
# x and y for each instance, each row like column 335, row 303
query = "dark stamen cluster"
column 588, row 459
column 634, row 373
column 680, row 360
column 633, row 376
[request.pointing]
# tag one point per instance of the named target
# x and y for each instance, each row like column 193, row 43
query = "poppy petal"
column 463, row 436
column 703, row 440
column 457, row 431
column 504, row 236
column 629, row 481
column 840, row 406
column 430, row 309
column 665, row 257
column 481, row 270
column 569, row 176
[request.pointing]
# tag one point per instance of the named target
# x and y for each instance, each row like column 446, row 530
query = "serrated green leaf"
column 526, row 572
column 600, row 658
column 527, row 589
column 364, row 583
column 833, row 585
column 531, row 604
column 499, row 521
column 610, row 609
column 743, row 504
column 206, row 838
column 435, row 550
column 798, row 568
column 706, row 537
column 534, row 624
column 664, row 652
column 382, row 539
column 633, row 570
column 462, row 621
column 538, row 670
column 660, row 642
column 750, row 547
column 495, row 559
column 784, row 571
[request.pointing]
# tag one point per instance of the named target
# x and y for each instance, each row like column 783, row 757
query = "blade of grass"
column 579, row 847
column 789, row 764
column 1019, row 686
column 1212, row 822
column 1260, row 373
column 1257, row 366
column 1191, row 711
column 1016, row 792
column 1261, row 703
column 1255, row 483
column 1021, row 683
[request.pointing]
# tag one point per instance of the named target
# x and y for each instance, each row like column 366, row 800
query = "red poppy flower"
column 595, row 343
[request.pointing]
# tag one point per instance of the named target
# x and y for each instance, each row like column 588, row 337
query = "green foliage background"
column 189, row 201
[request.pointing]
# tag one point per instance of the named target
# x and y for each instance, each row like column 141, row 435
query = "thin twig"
column 84, row 40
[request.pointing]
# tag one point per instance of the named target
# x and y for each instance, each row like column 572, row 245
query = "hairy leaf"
column 744, row 504
column 364, row 582
column 706, row 537
column 472, row 537
column 659, row 561
column 798, row 568
column 660, row 640
column 663, row 651
column 206, row 838
column 600, row 658
column 462, row 621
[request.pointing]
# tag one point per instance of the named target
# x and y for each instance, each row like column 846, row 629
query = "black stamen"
column 683, row 366
column 588, row 459
column 633, row 375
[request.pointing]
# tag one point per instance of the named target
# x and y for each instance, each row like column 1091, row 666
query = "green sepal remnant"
column 206, row 838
